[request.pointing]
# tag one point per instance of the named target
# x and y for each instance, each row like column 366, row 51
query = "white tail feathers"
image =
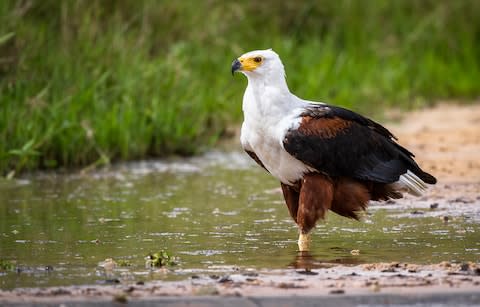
column 409, row 182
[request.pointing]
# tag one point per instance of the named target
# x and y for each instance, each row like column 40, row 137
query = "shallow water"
column 217, row 213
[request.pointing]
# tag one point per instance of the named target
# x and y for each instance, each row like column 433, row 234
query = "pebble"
column 307, row 272
column 224, row 279
column 464, row 267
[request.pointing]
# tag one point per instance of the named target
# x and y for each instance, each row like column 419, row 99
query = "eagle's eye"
column 257, row 59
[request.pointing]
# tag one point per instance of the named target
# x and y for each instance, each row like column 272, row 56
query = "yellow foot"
column 304, row 242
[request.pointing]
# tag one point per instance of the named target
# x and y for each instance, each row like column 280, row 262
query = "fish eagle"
column 325, row 157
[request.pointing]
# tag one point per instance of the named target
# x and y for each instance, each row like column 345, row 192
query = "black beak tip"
column 236, row 65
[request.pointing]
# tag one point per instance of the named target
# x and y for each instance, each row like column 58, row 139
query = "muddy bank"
column 446, row 141
column 368, row 279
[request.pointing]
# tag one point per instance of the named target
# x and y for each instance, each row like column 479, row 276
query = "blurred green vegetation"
column 88, row 82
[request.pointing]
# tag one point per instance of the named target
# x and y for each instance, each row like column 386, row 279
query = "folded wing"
column 342, row 143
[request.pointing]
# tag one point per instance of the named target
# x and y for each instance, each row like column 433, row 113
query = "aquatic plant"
column 160, row 259
column 6, row 265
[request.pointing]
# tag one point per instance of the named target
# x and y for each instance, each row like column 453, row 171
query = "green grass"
column 90, row 82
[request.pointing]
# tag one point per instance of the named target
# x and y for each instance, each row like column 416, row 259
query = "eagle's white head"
column 260, row 64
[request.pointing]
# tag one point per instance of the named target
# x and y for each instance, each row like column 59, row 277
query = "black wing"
column 339, row 142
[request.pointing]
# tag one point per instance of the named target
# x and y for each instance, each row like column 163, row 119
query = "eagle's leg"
column 304, row 242
column 292, row 195
column 316, row 195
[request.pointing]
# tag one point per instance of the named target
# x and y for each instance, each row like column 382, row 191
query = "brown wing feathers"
column 326, row 128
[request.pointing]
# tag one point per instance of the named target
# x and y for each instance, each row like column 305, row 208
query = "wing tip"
column 413, row 183
column 427, row 178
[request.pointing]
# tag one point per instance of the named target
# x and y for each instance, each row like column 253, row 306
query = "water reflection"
column 307, row 261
